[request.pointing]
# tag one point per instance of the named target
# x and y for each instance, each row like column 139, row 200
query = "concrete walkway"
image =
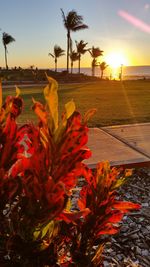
column 125, row 145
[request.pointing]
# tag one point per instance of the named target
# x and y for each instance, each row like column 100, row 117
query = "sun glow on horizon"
column 116, row 59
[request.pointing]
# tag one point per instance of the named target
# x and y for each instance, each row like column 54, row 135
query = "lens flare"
column 134, row 21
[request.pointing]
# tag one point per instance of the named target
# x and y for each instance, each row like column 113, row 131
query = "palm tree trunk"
column 101, row 74
column 71, row 67
column 68, row 49
column 6, row 57
column 79, row 63
column 55, row 64
column 93, row 67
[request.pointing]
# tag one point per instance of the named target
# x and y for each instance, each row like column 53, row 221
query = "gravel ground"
column 131, row 247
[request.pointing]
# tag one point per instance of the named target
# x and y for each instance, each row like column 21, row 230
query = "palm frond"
column 96, row 52
column 73, row 21
column 7, row 38
column 58, row 51
column 50, row 54
column 81, row 47
column 103, row 65
column 74, row 56
column 80, row 27
column 63, row 15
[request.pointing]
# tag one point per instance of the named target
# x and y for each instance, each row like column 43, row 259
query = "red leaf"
column 20, row 166
column 81, row 204
column 116, row 217
column 108, row 231
column 73, row 216
column 125, row 206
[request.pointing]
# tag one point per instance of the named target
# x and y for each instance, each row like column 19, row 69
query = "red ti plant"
column 39, row 167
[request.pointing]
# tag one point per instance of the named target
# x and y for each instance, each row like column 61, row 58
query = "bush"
column 39, row 167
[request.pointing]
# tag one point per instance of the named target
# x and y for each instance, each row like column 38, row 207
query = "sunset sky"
column 116, row 26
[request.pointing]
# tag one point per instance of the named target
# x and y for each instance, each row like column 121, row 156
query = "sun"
column 116, row 59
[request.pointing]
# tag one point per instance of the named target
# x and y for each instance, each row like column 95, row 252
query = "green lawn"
column 116, row 102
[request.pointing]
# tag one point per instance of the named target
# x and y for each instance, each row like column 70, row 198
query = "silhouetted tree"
column 103, row 66
column 81, row 50
column 95, row 52
column 31, row 67
column 72, row 22
column 7, row 39
column 58, row 52
column 74, row 56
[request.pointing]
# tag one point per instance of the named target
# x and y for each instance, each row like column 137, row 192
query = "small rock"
column 141, row 219
column 145, row 205
column 134, row 236
column 138, row 251
column 119, row 257
column 124, row 229
column 106, row 264
column 145, row 252
column 145, row 231
column 148, row 227
column 132, row 225
column 109, row 250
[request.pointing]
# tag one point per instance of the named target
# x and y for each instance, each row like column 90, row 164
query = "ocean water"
column 129, row 72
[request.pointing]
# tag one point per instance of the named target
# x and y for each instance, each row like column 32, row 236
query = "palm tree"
column 81, row 50
column 95, row 53
column 7, row 39
column 103, row 66
column 74, row 56
column 58, row 52
column 72, row 22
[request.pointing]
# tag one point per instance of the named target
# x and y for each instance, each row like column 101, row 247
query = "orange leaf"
column 40, row 111
column 73, row 216
column 81, row 204
column 108, row 231
column 115, row 218
column 90, row 113
column 125, row 206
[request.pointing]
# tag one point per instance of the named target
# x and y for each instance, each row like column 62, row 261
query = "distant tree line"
column 72, row 23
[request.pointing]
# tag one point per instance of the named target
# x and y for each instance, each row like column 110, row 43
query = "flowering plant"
column 39, row 168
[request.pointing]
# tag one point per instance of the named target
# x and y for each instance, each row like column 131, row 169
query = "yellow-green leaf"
column 40, row 111
column 41, row 231
column 44, row 138
column 60, row 130
column 97, row 259
column 51, row 96
column 48, row 228
column 69, row 108
column 118, row 183
column 68, row 205
column 90, row 113
column 36, row 234
column 18, row 91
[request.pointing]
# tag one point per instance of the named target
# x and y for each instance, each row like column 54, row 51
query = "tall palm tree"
column 103, row 66
column 81, row 50
column 74, row 56
column 58, row 52
column 95, row 53
column 72, row 22
column 7, row 39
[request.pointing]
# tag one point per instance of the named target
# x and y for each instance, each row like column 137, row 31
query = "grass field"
column 116, row 102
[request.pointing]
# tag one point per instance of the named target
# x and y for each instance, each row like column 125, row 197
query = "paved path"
column 127, row 145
